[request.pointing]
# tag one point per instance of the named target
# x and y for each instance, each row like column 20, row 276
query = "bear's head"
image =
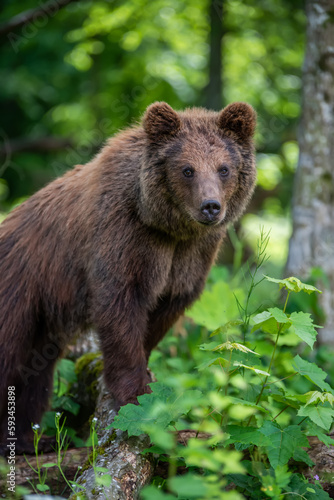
column 199, row 168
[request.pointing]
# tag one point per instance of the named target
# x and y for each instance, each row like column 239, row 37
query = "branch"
column 34, row 145
column 49, row 8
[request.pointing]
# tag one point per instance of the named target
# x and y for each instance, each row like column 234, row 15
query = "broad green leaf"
column 159, row 409
column 188, row 486
column 293, row 284
column 271, row 321
column 238, row 401
column 286, row 400
column 266, row 322
column 301, row 455
column 312, row 372
column 283, row 442
column 64, row 375
column 208, row 346
column 246, row 435
column 229, row 357
column 319, row 397
column 279, row 315
column 230, row 346
column 151, row 492
column 216, row 306
column 315, row 430
column 282, row 475
column 320, row 415
column 49, row 465
column 256, row 370
column 302, row 325
column 230, row 325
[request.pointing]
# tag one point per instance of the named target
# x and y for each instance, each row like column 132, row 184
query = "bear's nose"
column 210, row 208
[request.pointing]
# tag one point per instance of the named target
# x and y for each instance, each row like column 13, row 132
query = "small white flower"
column 58, row 415
column 35, row 427
column 94, row 420
column 79, row 467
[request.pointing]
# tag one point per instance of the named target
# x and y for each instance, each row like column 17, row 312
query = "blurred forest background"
column 76, row 72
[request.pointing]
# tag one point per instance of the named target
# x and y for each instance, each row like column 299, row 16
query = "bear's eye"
column 188, row 172
column 224, row 171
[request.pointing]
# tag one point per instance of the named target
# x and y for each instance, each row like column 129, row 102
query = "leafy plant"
column 61, row 447
column 248, row 424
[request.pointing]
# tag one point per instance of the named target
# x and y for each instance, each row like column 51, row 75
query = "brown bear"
column 122, row 244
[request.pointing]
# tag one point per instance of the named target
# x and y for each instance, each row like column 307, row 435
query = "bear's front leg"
column 121, row 328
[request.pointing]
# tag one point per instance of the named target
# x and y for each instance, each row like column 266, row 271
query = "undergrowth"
column 250, row 401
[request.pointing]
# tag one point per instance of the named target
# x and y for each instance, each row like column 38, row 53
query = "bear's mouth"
column 211, row 222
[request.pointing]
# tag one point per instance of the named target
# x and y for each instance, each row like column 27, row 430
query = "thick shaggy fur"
column 122, row 244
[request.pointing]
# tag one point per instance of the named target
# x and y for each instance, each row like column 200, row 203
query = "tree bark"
column 312, row 241
column 213, row 92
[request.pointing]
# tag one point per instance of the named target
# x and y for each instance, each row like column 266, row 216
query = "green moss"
column 85, row 361
column 88, row 369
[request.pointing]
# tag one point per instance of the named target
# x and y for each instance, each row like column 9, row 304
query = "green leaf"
column 282, row 475
column 42, row 487
column 64, row 376
column 312, row 372
column 283, row 442
column 225, row 358
column 104, row 480
column 256, row 370
column 101, row 469
column 279, row 315
column 153, row 493
column 188, row 486
column 66, row 403
column 230, row 325
column 215, row 307
column 320, row 415
column 299, row 485
column 302, row 325
column 266, row 322
column 246, row 435
column 49, row 465
column 315, row 430
column 271, row 321
column 301, row 455
column 248, row 404
column 230, row 346
column 314, row 397
column 286, row 400
column 158, row 409
column 293, row 284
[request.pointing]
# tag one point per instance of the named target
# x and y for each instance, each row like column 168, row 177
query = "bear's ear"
column 161, row 121
column 240, row 118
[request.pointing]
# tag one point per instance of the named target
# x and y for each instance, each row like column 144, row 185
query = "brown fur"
column 120, row 244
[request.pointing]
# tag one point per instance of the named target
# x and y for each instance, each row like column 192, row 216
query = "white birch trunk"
column 312, row 241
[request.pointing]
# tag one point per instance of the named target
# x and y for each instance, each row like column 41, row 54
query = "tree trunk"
column 213, row 92
column 312, row 241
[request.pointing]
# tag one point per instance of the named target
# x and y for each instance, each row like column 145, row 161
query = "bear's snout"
column 210, row 209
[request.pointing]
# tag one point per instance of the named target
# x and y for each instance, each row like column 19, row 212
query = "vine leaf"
column 312, row 372
column 302, row 325
column 293, row 284
column 320, row 415
column 283, row 442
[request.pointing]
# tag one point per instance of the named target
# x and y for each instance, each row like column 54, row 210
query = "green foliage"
column 159, row 409
column 244, row 402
